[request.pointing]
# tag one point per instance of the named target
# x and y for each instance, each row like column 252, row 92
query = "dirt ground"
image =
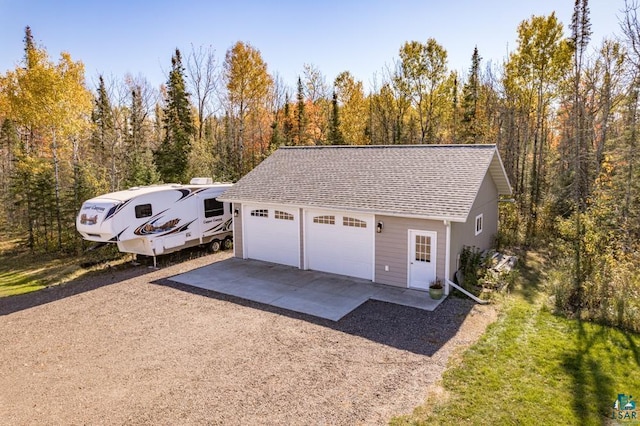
column 129, row 346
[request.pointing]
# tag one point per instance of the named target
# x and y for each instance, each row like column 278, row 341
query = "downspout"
column 447, row 256
column 462, row 290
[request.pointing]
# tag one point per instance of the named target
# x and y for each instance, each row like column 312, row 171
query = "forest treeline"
column 562, row 110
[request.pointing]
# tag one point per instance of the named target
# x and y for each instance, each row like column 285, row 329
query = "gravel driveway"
column 129, row 346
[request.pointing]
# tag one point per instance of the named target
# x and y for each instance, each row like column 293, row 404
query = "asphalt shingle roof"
column 431, row 181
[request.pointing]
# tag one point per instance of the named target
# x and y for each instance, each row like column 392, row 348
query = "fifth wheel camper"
column 159, row 219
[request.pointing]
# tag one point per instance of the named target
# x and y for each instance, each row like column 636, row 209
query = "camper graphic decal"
column 188, row 193
column 116, row 209
column 117, row 237
column 221, row 227
column 180, row 228
column 156, row 226
column 185, row 194
column 91, row 213
column 88, row 220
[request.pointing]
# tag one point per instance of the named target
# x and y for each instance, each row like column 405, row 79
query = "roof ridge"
column 474, row 146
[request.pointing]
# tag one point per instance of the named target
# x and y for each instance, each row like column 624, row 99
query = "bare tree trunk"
column 56, row 174
column 631, row 154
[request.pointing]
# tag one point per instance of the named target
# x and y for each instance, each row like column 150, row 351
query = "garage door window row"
column 326, row 219
column 351, row 221
column 260, row 213
column 346, row 221
column 283, row 215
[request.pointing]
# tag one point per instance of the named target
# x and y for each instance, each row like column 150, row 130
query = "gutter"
column 342, row 209
column 457, row 287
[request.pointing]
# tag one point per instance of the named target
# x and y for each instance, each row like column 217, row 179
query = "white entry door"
column 422, row 258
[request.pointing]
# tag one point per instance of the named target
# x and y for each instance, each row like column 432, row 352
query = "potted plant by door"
column 436, row 289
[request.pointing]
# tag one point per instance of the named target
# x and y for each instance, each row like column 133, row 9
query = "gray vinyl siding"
column 237, row 231
column 392, row 248
column 463, row 234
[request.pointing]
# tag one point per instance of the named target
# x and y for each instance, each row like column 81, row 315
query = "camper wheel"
column 228, row 243
column 215, row 246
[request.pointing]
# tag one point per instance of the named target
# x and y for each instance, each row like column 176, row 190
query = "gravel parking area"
column 128, row 346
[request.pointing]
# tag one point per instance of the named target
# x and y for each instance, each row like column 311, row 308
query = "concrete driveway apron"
column 314, row 293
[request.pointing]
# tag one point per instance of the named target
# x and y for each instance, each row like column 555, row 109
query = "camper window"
column 213, row 207
column 143, row 210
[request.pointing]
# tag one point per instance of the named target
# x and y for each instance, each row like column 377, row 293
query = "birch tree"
column 354, row 109
column 533, row 73
column 422, row 76
column 249, row 87
column 51, row 103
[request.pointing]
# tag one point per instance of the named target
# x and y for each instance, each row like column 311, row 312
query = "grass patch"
column 532, row 367
column 24, row 272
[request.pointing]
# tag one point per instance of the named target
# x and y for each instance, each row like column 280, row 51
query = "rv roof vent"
column 201, row 181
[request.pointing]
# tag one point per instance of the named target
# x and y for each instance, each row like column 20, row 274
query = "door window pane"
column 423, row 248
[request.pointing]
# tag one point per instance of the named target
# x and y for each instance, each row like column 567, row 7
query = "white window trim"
column 479, row 231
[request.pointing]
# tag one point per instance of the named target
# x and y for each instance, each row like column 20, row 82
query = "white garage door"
column 340, row 243
column 271, row 234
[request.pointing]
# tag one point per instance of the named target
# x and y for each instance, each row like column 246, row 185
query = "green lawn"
column 532, row 367
column 23, row 272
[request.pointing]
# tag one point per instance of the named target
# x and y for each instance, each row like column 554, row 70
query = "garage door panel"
column 272, row 238
column 340, row 249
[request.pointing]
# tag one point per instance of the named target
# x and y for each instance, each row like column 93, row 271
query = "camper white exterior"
column 158, row 219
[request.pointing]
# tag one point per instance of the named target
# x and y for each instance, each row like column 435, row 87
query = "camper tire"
column 228, row 243
column 215, row 246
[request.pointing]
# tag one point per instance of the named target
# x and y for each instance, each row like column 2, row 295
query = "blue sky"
column 138, row 37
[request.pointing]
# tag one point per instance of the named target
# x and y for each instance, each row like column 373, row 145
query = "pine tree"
column 335, row 135
column 103, row 139
column 140, row 168
column 9, row 150
column 580, row 35
column 172, row 156
column 287, row 127
column 301, row 118
column 30, row 49
column 470, row 96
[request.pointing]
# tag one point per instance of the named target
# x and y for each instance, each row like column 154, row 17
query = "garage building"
column 397, row 215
